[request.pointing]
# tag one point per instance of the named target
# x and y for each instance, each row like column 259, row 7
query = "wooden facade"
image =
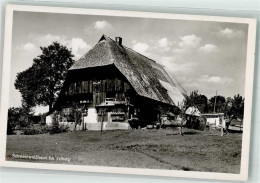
column 109, row 93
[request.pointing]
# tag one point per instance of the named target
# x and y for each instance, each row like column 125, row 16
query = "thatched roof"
column 148, row 78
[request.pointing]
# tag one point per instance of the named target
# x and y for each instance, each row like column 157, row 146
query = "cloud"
column 206, row 83
column 175, row 66
column 208, row 48
column 27, row 47
column 164, row 43
column 79, row 47
column 78, row 44
column 134, row 41
column 188, row 43
column 209, row 79
column 168, row 62
column 102, row 26
column 48, row 39
column 191, row 43
column 141, row 48
column 213, row 79
column 230, row 33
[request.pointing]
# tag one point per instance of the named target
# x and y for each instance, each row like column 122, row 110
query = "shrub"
column 45, row 129
column 31, row 131
column 10, row 128
column 56, row 128
column 13, row 119
column 39, row 129
column 35, row 130
column 24, row 123
column 43, row 119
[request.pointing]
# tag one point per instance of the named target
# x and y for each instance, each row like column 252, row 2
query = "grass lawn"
column 161, row 149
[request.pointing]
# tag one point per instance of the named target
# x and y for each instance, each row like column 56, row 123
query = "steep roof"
column 148, row 78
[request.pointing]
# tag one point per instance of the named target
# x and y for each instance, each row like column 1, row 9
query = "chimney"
column 119, row 40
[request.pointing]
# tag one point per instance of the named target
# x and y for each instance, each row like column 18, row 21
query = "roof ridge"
column 110, row 51
column 105, row 36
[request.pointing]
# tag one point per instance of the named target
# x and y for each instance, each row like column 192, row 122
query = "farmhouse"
column 112, row 84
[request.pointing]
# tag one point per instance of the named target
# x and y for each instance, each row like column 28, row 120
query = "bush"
column 35, row 130
column 13, row 119
column 24, row 123
column 10, row 128
column 56, row 128
column 52, row 130
column 29, row 131
column 43, row 120
column 40, row 129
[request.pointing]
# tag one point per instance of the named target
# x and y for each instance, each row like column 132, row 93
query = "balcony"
column 114, row 101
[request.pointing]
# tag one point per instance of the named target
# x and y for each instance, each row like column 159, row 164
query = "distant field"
column 160, row 149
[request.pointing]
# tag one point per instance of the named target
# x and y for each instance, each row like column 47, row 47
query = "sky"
column 201, row 55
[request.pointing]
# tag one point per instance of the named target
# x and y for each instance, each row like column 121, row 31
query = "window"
column 118, row 117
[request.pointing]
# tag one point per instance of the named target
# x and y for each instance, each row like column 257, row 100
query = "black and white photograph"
column 127, row 92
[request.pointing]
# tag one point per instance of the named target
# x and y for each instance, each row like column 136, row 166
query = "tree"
column 198, row 100
column 236, row 109
column 219, row 106
column 26, row 114
column 13, row 119
column 27, row 87
column 41, row 83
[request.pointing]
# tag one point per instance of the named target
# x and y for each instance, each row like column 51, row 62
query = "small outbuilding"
column 215, row 120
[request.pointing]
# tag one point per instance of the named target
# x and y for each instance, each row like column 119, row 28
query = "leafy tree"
column 220, row 104
column 236, row 107
column 198, row 100
column 26, row 85
column 26, row 114
column 228, row 105
column 41, row 83
column 13, row 119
